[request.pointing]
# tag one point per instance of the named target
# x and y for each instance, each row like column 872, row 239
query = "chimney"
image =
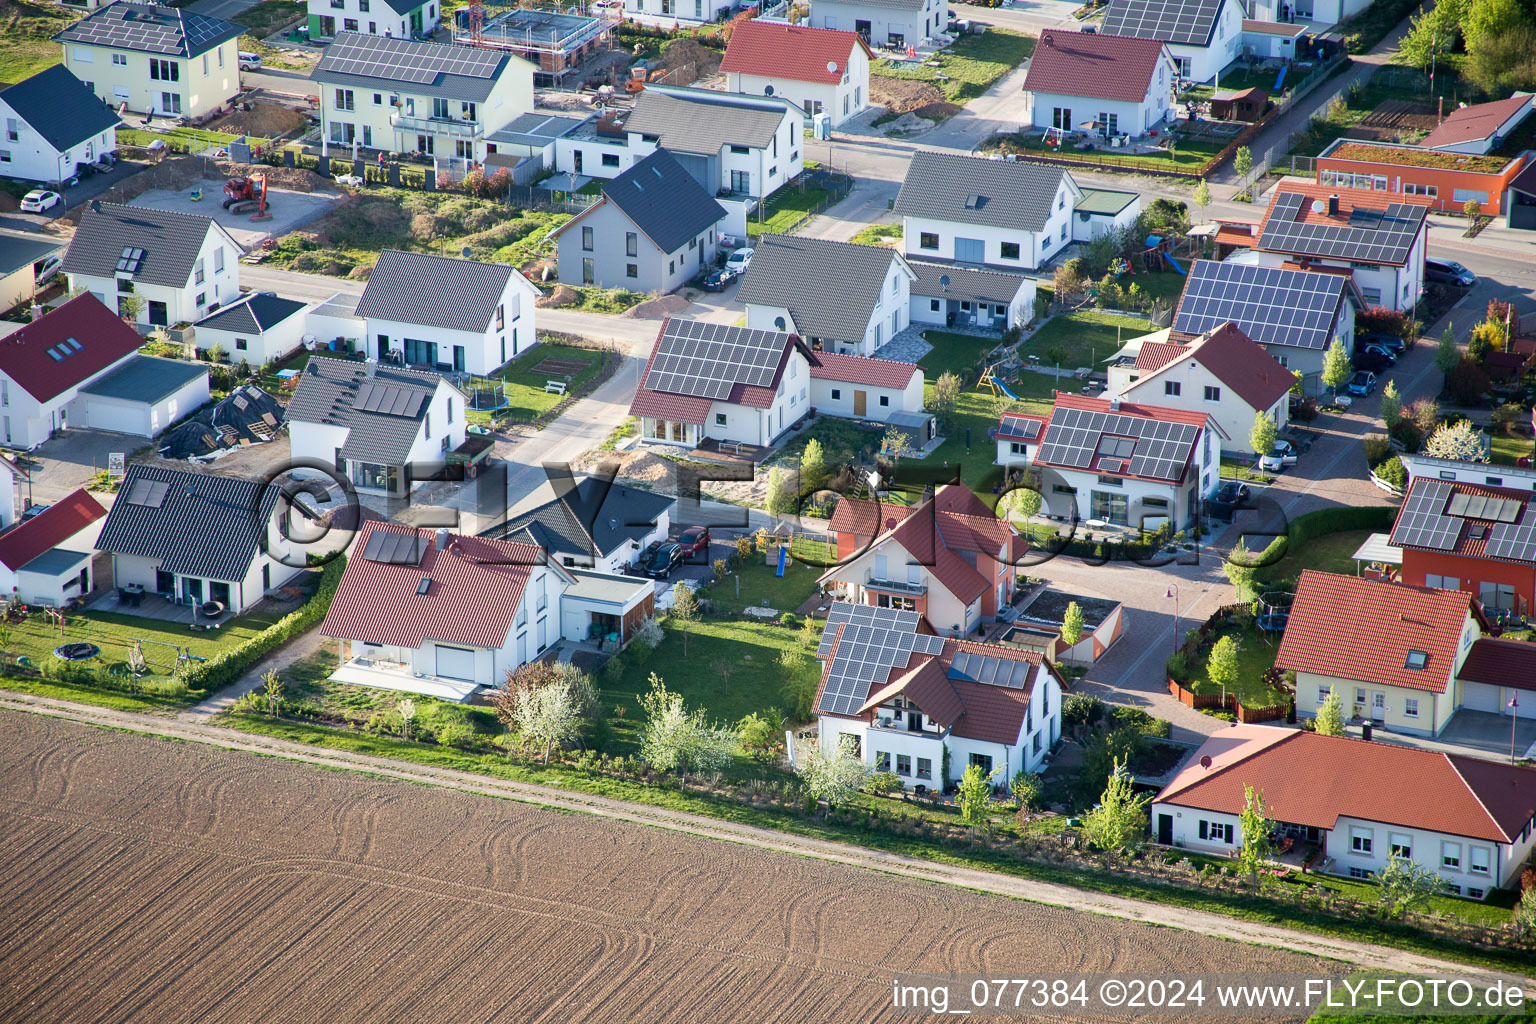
column 613, row 523
column 1333, row 206
column 1114, row 405
column 442, row 539
column 371, row 367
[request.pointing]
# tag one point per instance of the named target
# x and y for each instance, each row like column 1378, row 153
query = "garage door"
column 970, row 250
column 1480, row 697
column 1527, row 703
column 122, row 417
column 456, row 663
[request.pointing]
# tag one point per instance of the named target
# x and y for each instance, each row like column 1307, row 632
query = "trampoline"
column 77, row 651
column 1274, row 610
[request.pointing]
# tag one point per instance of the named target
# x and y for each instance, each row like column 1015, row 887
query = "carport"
column 143, row 396
column 603, row 605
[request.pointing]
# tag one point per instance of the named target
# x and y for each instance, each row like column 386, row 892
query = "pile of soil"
column 660, row 475
column 540, row 271
column 655, row 309
column 563, row 295
column 296, row 179
column 900, row 96
column 359, row 273
column 263, row 120
column 691, row 59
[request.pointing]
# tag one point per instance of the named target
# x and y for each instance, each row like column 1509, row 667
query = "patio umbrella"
column 1089, row 126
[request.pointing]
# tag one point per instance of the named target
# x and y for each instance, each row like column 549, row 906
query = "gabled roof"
column 830, row 288
column 1323, row 634
column 866, row 518
column 662, row 200
column 340, row 393
column 958, row 281
column 252, row 313
column 1500, row 663
column 1123, row 439
column 701, row 121
column 1314, row 780
column 695, row 364
column 1449, row 517
column 876, row 373
column 472, row 597
column 150, row 28
column 66, row 347
column 1105, row 67
column 444, row 70
column 167, row 244
column 1368, row 227
column 196, row 524
column 1103, row 201
column 1154, row 355
column 975, row 190
column 1272, row 305
column 593, row 518
column 1186, row 22
column 437, row 291
column 1478, row 122
column 795, row 52
column 48, row 529
column 1019, row 426
column 1233, row 358
column 59, row 107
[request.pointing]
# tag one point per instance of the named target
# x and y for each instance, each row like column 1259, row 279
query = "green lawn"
column 1186, row 156
column 1509, row 449
column 1329, row 553
column 760, row 588
column 785, row 209
column 1087, row 338
column 1243, row 469
column 880, row 234
column 29, row 47
column 1255, row 655
column 182, row 139
column 307, row 683
column 526, row 397
column 969, row 67
column 955, row 353
column 1162, row 284
column 35, row 638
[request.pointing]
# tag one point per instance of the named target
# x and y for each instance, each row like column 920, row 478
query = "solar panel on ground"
column 874, row 641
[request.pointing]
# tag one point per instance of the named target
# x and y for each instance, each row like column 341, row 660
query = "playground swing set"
column 134, row 663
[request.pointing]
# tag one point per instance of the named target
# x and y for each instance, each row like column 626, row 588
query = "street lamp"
column 1514, row 716
column 1173, row 592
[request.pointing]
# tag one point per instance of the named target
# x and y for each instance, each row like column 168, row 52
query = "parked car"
column 719, row 280
column 1382, row 351
column 1229, row 497
column 1362, row 383
column 1375, row 362
column 660, row 565
column 1391, row 342
column 1448, row 272
column 40, row 200
column 1282, row 454
column 695, row 542
column 250, row 61
column 739, row 260
column 48, row 267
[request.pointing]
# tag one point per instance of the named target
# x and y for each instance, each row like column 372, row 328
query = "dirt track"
column 179, row 882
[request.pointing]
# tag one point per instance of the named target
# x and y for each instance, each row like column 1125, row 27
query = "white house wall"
column 1034, row 247
column 1131, row 118
column 31, row 157
column 485, row 351
column 203, row 83
column 882, row 21
column 843, row 100
column 256, row 348
column 1231, row 413
column 909, row 399
column 1226, row 43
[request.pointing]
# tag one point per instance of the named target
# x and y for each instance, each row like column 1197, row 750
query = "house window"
column 501, row 317
column 378, row 99
column 197, row 272
column 1010, row 250
column 1018, row 448
column 1355, row 872
column 349, row 24
column 1034, row 743
column 924, row 768
column 982, row 761
column 928, row 240
column 719, row 419
column 1432, row 191
column 1450, row 856
column 1061, row 118
column 1323, row 692
column 631, row 244
column 740, row 150
column 837, row 393
column 933, row 305
column 1361, row 840
column 882, row 761
column 1216, row 831
column 631, row 270
column 671, row 266
column 440, row 108
column 903, row 764
column 1212, row 394
column 885, row 401
column 345, row 100
column 1478, row 857
column 586, row 239
column 218, row 261
column 1401, row 845
column 1172, row 387
column 1411, row 707
column 1476, row 894
column 164, row 70
column 202, row 298
column 1372, row 296
column 120, row 60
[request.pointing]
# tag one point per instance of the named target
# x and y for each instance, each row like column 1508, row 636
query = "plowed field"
column 173, row 882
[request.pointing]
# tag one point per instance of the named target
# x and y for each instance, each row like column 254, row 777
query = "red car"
column 694, row 541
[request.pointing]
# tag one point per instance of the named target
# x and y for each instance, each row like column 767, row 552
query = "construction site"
column 555, row 38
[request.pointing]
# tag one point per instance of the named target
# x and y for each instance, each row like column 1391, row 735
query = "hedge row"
column 231, row 663
column 1328, row 520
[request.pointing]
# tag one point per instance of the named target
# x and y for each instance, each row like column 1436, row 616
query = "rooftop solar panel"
column 1172, row 21
column 1271, row 305
column 1514, row 542
column 395, row 548
column 1421, row 524
column 706, row 360
column 874, row 642
column 1370, row 236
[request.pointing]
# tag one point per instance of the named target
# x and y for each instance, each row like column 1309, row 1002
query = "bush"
column 882, row 783
column 1406, row 433
column 1305, row 412
column 789, row 619
column 1467, row 383
column 1377, row 450
column 1392, row 472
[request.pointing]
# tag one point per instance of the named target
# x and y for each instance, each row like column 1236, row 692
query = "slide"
column 1002, row 386
column 783, row 559
column 1173, row 263
column 1278, row 79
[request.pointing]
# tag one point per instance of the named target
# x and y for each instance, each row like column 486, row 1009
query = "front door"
column 577, row 164
column 165, row 583
column 970, row 250
column 416, row 21
column 1165, row 829
column 159, row 314
column 458, row 358
column 858, row 403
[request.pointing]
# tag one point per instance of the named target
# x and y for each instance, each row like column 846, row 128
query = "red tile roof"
column 103, row 338
column 1233, row 358
column 1479, row 121
column 796, row 52
column 1466, row 544
column 1154, row 355
column 1331, row 613
column 875, row 373
column 1350, row 199
column 48, row 529
column 1229, row 234
column 476, row 587
column 1314, row 780
column 1097, row 66
column 867, row 518
column 1500, row 663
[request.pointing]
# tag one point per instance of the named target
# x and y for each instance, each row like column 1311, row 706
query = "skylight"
column 128, row 262
column 55, row 354
column 1416, row 660
column 424, row 585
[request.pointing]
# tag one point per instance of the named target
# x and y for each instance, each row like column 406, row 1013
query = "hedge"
column 1325, row 521
column 230, row 664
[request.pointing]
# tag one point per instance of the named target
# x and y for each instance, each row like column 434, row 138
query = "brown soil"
column 691, row 59
column 563, row 295
column 659, row 474
column 263, row 120
column 1401, row 115
column 256, row 889
column 900, row 96
column 652, row 309
column 9, row 203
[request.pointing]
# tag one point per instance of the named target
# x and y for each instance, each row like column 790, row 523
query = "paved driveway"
column 70, row 459
column 88, row 189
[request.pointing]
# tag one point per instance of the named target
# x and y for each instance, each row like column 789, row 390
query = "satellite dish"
column 1205, row 760
column 465, row 252
column 832, row 67
column 944, row 281
column 1318, row 206
column 767, row 90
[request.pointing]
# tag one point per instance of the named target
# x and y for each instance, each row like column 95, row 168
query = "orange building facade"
column 1447, row 179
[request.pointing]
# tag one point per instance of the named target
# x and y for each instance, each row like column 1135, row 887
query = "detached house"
column 1295, row 315
column 1350, row 805
column 838, row 297
column 949, row 559
column 1475, row 537
column 991, row 213
column 1223, row 373
column 257, row 328
column 155, row 59
column 53, row 124
column 181, row 266
column 46, row 560
column 383, row 427
column 1378, row 237
column 895, row 23
column 436, row 99
column 927, row 708
column 399, row 19
column 1119, row 85
column 822, row 70
column 654, row 230
column 590, row 523
column 446, row 314
column 1204, row 36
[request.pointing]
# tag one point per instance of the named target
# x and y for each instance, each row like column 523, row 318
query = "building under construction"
column 553, row 37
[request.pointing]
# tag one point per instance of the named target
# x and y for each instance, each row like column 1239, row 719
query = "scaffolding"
column 552, row 35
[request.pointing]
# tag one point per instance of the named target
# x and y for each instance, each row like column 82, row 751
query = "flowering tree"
column 836, row 777
column 675, row 740
column 1460, row 441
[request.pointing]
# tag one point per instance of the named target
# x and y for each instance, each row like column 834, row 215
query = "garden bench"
column 555, row 386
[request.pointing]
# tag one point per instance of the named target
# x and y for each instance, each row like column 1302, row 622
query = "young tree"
column 782, row 497
column 1330, row 715
column 675, row 740
column 685, row 610
column 756, row 735
column 1240, row 570
column 544, row 716
column 1446, row 353
column 722, row 668
column 1221, row 667
column 893, row 443
column 1242, row 162
column 1391, row 405
column 1257, row 825
column 813, row 466
column 1120, row 819
column 1072, row 625
column 1262, row 434
column 649, row 633
column 407, row 711
column 1019, row 503
column 1472, row 208
column 1405, row 885
column 1026, row 789
column 799, row 690
column 1202, row 197
column 1460, row 441
column 975, row 793
column 1336, row 368
column 835, row 778
column 130, row 306
column 272, row 689
column 946, row 395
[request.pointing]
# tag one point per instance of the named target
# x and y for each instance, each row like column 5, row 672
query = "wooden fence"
column 1206, row 701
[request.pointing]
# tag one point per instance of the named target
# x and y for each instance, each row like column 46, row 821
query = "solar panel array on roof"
column 1155, row 449
column 395, row 548
column 129, row 262
column 1422, row 523
column 707, row 360
column 390, row 401
column 1172, row 21
column 978, row 668
column 1478, row 506
column 404, row 61
column 1514, row 542
column 874, row 641
column 1271, row 305
column 150, row 493
column 1015, row 425
column 150, row 30
column 1370, row 236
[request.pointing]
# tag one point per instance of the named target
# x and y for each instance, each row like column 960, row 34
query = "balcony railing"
column 874, row 582
column 437, row 126
column 899, row 724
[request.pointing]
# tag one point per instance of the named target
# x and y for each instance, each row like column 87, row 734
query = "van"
column 250, row 61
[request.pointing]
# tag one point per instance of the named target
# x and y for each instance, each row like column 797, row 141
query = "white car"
column 40, row 200
column 739, row 260
column 48, row 267
column 349, row 179
column 1277, row 458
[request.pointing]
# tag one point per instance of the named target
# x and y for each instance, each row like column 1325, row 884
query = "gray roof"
column 595, row 517
column 56, row 562
column 899, row 5
column 59, row 107
column 830, row 288
column 434, row 291
column 1185, row 22
column 150, row 28
column 975, row 190
column 441, row 69
column 535, row 130
column 701, row 121
column 329, row 392
column 664, row 201
column 963, row 283
column 252, row 313
column 203, row 525
column 146, row 379
column 170, row 242
column 19, row 251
